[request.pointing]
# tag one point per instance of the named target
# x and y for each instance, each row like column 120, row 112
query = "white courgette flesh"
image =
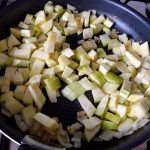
column 37, row 95
column 102, row 107
column 49, row 123
column 97, row 94
column 91, row 123
column 87, row 106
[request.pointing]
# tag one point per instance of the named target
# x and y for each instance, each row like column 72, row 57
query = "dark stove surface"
column 142, row 6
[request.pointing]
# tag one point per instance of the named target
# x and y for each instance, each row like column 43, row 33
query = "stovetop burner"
column 142, row 6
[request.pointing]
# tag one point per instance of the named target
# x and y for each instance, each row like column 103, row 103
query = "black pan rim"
column 144, row 137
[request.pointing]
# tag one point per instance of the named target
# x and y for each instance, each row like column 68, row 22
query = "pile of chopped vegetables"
column 36, row 56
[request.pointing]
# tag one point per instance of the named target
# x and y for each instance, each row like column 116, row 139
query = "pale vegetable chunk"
column 89, row 135
column 28, row 114
column 84, row 70
column 3, row 45
column 93, row 55
column 80, row 52
column 97, row 95
column 139, row 109
column 89, row 45
column 20, row 63
column 122, row 67
column 111, row 117
column 73, row 91
column 40, row 18
column 121, row 110
column 37, row 67
column 107, row 135
column 98, row 78
column 125, row 89
column 87, row 33
column 13, row 105
column 86, row 15
column 91, row 123
column 144, row 49
column 108, row 125
column 3, row 60
column 113, row 78
column 108, row 22
column 17, row 78
column 134, row 59
column 53, row 83
column 104, row 39
column 70, row 30
column 12, row 41
column 113, row 103
column 48, row 72
column 19, row 92
column 123, row 38
column 66, row 16
column 67, row 72
column 22, row 53
column 10, row 72
column 5, row 96
column 37, row 95
column 40, row 54
column 52, row 94
column 135, row 97
column 104, row 68
column 50, row 43
column 46, row 26
column 29, row 19
column 109, row 88
column 34, row 79
column 99, row 20
column 147, row 92
column 25, row 73
column 67, row 52
column 27, row 33
column 87, row 106
column 23, row 25
column 63, row 61
column 16, row 32
column 87, row 85
column 4, row 84
column 49, row 123
column 102, row 107
column 125, row 125
column 27, row 98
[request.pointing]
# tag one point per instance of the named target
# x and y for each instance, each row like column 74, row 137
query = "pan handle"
column 34, row 143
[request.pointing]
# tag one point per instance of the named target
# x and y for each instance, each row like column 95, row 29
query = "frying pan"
column 127, row 21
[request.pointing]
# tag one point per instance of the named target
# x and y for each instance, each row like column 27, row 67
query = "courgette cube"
column 87, row 106
column 108, row 125
column 47, row 122
column 13, row 105
column 111, row 117
column 53, row 83
column 89, row 135
column 113, row 78
column 37, row 95
column 73, row 90
column 98, row 78
column 3, row 45
column 102, row 106
column 28, row 114
column 27, row 98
